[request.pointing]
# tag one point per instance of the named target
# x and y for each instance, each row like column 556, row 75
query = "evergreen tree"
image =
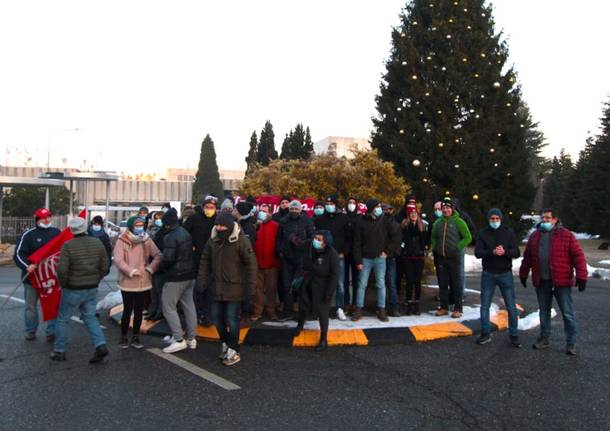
column 252, row 158
column 308, row 146
column 556, row 193
column 287, row 148
column 207, row 179
column 297, row 144
column 450, row 114
column 266, row 146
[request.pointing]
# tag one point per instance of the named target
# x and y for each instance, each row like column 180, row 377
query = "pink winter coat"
column 132, row 255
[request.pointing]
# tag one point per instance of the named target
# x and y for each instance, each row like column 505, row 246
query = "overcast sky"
column 144, row 81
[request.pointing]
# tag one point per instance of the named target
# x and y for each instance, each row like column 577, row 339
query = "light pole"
column 50, row 141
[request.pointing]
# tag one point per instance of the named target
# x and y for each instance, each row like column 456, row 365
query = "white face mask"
column 351, row 207
column 45, row 225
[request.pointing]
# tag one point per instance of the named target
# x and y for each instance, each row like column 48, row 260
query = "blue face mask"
column 546, row 226
column 378, row 212
column 159, row 223
column 96, row 228
column 254, row 210
column 138, row 230
column 495, row 224
column 262, row 215
column 317, row 244
column 318, row 211
column 438, row 213
column 330, row 209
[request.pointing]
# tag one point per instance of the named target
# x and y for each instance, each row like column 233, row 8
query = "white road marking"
column 204, row 374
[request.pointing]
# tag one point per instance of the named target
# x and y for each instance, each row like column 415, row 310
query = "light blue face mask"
column 138, row 231
column 438, row 213
column 159, row 223
column 546, row 226
column 317, row 244
column 96, row 228
column 495, row 224
column 330, row 209
column 262, row 215
column 318, row 211
column 378, row 212
column 254, row 209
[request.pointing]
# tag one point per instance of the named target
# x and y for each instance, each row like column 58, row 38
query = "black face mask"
column 295, row 215
column 224, row 235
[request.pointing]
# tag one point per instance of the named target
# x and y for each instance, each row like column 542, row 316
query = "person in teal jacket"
column 450, row 235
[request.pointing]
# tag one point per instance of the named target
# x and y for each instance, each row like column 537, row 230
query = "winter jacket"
column 83, row 263
column 105, row 239
column 132, row 254
column 414, row 241
column 336, row 224
column 280, row 214
column 321, row 272
column 487, row 241
column 292, row 233
column 177, row 261
column 30, row 241
column 353, row 220
column 374, row 236
column 200, row 228
column 265, row 247
column 247, row 224
column 232, row 264
column 450, row 235
column 565, row 257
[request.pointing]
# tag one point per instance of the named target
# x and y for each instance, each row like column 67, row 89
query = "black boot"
column 58, row 356
column 299, row 328
column 416, row 308
column 409, row 308
column 322, row 346
column 100, row 353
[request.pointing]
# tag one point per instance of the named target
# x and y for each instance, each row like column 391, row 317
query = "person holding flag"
column 31, row 241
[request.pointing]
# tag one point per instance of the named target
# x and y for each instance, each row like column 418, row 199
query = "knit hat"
column 42, row 213
column 295, row 204
column 371, row 204
column 210, row 199
column 78, row 226
column 411, row 208
column 447, row 202
column 225, row 219
column 170, row 218
column 333, row 199
column 244, row 208
column 251, row 199
column 495, row 212
column 319, row 203
column 143, row 209
column 132, row 221
column 97, row 220
column 227, row 204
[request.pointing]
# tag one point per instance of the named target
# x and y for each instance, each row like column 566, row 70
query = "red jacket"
column 566, row 255
column 264, row 248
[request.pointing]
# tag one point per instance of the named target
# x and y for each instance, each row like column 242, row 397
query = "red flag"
column 274, row 203
column 44, row 278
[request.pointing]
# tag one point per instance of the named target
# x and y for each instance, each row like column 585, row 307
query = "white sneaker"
column 341, row 314
column 176, row 346
column 191, row 344
column 223, row 353
column 232, row 358
column 169, row 339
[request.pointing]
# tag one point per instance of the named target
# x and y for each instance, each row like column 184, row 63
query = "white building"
column 341, row 146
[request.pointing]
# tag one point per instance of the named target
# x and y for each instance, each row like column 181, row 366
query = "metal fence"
column 13, row 227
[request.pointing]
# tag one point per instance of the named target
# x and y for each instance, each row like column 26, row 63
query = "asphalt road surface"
column 449, row 384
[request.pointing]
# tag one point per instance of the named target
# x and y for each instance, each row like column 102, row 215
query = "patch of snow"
column 581, row 236
column 111, row 300
column 532, row 320
column 601, row 273
column 472, row 264
column 604, row 262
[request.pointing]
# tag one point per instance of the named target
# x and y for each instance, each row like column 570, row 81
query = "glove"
column 582, row 285
column 523, row 281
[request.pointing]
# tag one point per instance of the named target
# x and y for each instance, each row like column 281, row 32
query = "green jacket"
column 83, row 263
column 450, row 235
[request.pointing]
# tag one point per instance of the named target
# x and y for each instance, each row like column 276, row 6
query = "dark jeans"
column 133, row 302
column 413, row 271
column 289, row 270
column 390, row 282
column 155, row 309
column 227, row 313
column 204, row 300
column 563, row 296
column 448, row 271
column 504, row 281
column 351, row 273
column 323, row 313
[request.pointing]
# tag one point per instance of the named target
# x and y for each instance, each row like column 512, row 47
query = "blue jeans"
column 340, row 301
column 31, row 311
column 504, row 281
column 390, row 277
column 227, row 313
column 73, row 301
column 563, row 296
column 379, row 266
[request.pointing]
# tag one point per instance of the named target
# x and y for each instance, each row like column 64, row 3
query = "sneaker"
column 100, row 353
column 135, row 342
column 514, row 341
column 176, row 346
column 456, row 314
column 30, row 336
column 381, row 315
column 484, row 339
column 169, row 339
column 357, row 314
column 191, row 344
column 284, row 317
column 441, row 312
column 541, row 343
column 232, row 358
column 223, row 352
column 570, row 350
column 58, row 356
column 124, row 343
column 341, row 315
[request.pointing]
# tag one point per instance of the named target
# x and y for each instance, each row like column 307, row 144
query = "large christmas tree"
column 450, row 114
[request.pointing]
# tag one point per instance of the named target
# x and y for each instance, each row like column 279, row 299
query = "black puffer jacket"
column 177, row 262
column 322, row 276
column 200, row 227
column 376, row 236
column 291, row 235
column 336, row 224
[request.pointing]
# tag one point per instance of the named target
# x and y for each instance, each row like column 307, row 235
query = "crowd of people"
column 222, row 263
